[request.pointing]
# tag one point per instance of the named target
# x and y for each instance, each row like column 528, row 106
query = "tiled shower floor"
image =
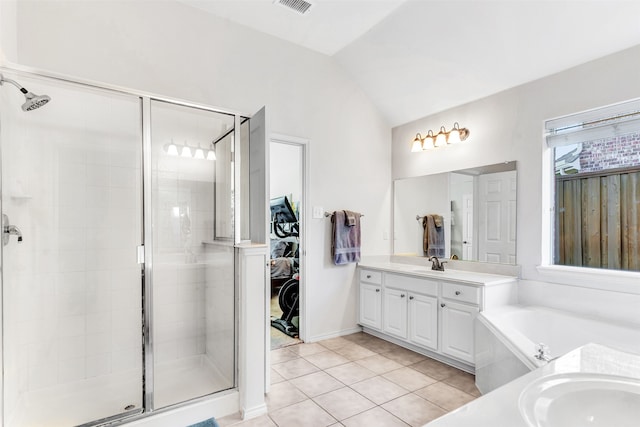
column 358, row 380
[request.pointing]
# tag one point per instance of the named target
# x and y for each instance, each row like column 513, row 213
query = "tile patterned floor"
column 357, row 381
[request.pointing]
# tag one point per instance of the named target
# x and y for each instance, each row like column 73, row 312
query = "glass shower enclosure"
column 119, row 299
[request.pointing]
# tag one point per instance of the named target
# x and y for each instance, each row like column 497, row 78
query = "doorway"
column 287, row 205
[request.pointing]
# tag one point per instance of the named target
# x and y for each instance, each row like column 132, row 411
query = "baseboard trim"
column 254, row 412
column 335, row 334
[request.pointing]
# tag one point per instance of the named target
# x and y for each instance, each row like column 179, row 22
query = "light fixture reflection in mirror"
column 477, row 227
column 188, row 152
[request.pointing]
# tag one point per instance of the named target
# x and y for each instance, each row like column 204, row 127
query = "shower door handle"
column 8, row 230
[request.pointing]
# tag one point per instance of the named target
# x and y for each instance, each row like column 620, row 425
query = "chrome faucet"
column 543, row 353
column 436, row 264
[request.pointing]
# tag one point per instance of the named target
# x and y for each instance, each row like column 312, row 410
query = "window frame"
column 626, row 281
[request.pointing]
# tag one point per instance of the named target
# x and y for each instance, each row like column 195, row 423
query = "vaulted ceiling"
column 418, row 57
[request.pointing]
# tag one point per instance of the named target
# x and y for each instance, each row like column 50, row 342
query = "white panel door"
column 423, row 320
column 497, row 217
column 395, row 312
column 370, row 306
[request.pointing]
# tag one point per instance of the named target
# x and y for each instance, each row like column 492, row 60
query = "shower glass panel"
column 224, row 173
column 72, row 289
column 193, row 274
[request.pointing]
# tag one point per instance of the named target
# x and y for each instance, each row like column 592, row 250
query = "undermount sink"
column 580, row 400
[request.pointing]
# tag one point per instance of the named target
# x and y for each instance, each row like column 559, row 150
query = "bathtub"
column 506, row 340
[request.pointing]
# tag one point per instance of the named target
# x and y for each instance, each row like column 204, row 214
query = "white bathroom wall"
column 286, row 171
column 171, row 49
column 509, row 126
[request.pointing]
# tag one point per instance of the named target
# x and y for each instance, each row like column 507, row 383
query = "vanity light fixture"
column 443, row 138
column 417, row 144
column 426, row 143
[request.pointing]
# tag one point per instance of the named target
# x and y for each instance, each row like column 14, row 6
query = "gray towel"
column 350, row 218
column 433, row 237
column 345, row 239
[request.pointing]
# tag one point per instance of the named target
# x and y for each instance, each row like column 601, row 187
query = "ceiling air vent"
column 300, row 6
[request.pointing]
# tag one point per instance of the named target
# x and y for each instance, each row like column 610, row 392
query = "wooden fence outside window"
column 598, row 219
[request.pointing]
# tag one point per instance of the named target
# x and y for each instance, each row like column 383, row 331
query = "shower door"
column 72, row 288
column 192, row 282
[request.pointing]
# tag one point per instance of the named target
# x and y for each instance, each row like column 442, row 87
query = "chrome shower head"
column 33, row 101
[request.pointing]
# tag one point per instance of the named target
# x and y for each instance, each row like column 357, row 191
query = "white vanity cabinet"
column 410, row 309
column 423, row 320
column 371, row 299
column 459, row 307
column 430, row 313
column 395, row 312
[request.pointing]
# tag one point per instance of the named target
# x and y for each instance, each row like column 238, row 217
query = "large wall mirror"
column 476, row 208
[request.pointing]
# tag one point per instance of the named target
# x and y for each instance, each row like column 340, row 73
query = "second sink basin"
column 580, row 399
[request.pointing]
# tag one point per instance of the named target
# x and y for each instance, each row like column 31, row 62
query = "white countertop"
column 457, row 275
column 499, row 408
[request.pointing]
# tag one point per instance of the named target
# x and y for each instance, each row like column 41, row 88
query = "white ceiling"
column 418, row 57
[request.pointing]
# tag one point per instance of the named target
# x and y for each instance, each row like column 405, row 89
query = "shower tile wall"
column 71, row 182
column 183, row 209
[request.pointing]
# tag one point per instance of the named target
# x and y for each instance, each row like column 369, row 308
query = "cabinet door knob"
column 442, row 305
column 377, row 290
column 411, row 297
column 458, row 292
column 401, row 295
column 368, row 276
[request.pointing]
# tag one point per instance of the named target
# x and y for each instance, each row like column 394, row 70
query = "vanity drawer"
column 463, row 293
column 411, row 284
column 371, row 276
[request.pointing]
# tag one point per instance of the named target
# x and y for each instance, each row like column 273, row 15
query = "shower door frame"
column 145, row 256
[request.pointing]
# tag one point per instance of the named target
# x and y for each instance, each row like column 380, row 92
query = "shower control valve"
column 8, row 230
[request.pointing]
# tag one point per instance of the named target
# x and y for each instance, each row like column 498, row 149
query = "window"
column 596, row 215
